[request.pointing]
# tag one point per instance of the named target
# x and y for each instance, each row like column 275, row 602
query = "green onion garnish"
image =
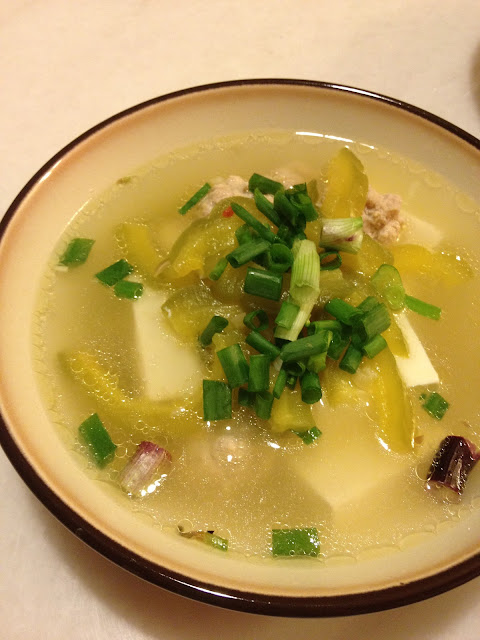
column 246, row 252
column 263, row 230
column 388, row 284
column 291, row 382
column 266, row 207
column 318, row 362
column 258, row 379
column 330, row 260
column 351, row 359
column 337, row 345
column 372, row 322
column 195, row 199
column 263, row 184
column 245, row 234
column 300, row 199
column 115, row 272
column 423, row 308
column 308, row 436
column 263, row 283
column 256, row 320
column 323, row 325
column 342, row 311
column 295, row 368
column 343, row 234
column 310, row 386
column 280, row 383
column 234, row 365
column 369, row 303
column 216, row 325
column 217, row 400
column 285, row 236
column 246, row 398
column 287, row 314
column 374, row 346
column 218, row 269
column 263, row 405
column 287, row 210
column 436, row 405
column 304, row 286
column 216, row 541
column 94, row 434
column 279, row 258
column 303, row 348
column 261, row 344
column 76, row 252
column 295, row 542
column 128, row 289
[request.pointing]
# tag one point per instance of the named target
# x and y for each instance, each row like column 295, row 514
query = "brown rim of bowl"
column 328, row 606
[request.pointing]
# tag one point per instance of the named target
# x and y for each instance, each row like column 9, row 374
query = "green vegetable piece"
column 436, row 405
column 308, row 436
column 216, row 325
column 234, row 365
column 195, row 199
column 351, row 359
column 263, row 283
column 295, row 542
column 128, row 289
column 310, row 386
column 266, row 207
column 76, row 252
column 337, row 345
column 371, row 323
column 216, row 541
column 263, row 405
column 263, row 230
column 303, row 347
column 218, row 269
column 94, row 434
column 423, row 308
column 261, row 344
column 115, row 272
column 279, row 258
column 258, row 378
column 256, row 320
column 280, row 383
column 246, row 252
column 388, row 284
column 374, row 346
column 342, row 234
column 246, row 398
column 217, row 400
column 287, row 315
column 263, row 184
column 342, row 311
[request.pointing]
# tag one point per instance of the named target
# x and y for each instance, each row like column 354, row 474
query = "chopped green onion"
column 310, row 386
column 128, row 289
column 304, row 286
column 368, row 304
column 115, row 272
column 258, row 379
column 302, row 202
column 351, row 359
column 263, row 283
column 218, row 269
column 256, row 320
column 295, row 368
column 261, row 344
column 308, row 436
column 216, row 325
column 217, row 400
column 337, row 345
column 436, row 405
column 280, row 383
column 423, row 308
column 291, row 382
column 266, row 207
column 295, row 542
column 284, row 235
column 263, row 184
column 246, row 252
column 245, row 234
column 195, row 199
column 263, row 405
column 94, row 434
column 330, row 260
column 263, row 230
column 372, row 322
column 287, row 314
column 76, row 252
column 342, row 311
column 323, row 325
column 279, row 258
column 246, row 398
column 318, row 362
column 234, row 365
column 374, row 346
column 388, row 284
column 216, row 541
column 303, row 348
column 286, row 209
column 343, row 234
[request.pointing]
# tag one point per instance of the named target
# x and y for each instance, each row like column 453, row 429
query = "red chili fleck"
column 228, row 213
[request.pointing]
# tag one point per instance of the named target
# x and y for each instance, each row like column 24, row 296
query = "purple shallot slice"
column 140, row 469
column 452, row 464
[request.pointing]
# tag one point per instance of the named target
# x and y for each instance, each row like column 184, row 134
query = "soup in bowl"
column 245, row 317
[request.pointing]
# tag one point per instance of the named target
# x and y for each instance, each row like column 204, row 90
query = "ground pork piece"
column 223, row 188
column 382, row 218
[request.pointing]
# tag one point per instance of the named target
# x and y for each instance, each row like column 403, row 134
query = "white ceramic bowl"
column 32, row 226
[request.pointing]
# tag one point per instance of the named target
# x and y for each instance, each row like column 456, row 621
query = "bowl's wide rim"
column 325, row 606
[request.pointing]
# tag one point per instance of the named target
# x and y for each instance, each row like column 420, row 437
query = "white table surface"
column 64, row 66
